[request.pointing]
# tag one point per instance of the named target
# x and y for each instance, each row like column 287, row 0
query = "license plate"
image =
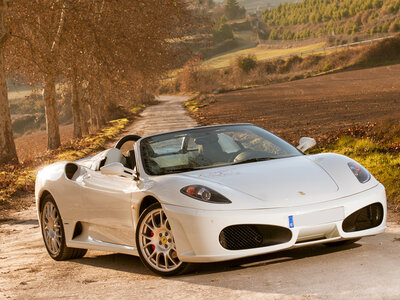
column 317, row 217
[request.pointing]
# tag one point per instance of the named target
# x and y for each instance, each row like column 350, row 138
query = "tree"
column 233, row 10
column 37, row 28
column 8, row 153
column 119, row 51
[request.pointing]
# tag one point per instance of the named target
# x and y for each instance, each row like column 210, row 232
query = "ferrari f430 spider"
column 205, row 194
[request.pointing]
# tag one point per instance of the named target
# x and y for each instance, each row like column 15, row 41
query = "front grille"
column 365, row 218
column 246, row 236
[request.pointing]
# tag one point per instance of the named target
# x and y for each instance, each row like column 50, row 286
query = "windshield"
column 210, row 147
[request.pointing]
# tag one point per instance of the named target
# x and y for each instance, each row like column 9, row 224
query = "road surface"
column 369, row 269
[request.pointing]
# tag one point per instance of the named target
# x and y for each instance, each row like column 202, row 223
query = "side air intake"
column 70, row 170
column 365, row 218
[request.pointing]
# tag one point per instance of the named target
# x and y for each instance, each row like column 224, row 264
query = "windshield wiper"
column 250, row 160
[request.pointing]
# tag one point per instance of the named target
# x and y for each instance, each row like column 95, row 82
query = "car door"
column 106, row 201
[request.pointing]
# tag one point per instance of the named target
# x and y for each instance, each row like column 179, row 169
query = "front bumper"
column 197, row 232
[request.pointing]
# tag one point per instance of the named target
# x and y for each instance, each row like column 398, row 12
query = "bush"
column 223, row 33
column 273, row 35
column 246, row 63
column 395, row 26
column 382, row 52
column 188, row 77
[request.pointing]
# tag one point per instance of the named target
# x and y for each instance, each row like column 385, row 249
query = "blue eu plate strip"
column 291, row 223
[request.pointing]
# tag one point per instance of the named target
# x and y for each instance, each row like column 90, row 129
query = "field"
column 318, row 106
column 261, row 53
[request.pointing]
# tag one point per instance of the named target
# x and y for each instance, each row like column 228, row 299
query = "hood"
column 280, row 183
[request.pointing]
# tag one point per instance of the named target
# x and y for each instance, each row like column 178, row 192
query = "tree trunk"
column 94, row 126
column 49, row 97
column 76, row 109
column 84, row 117
column 8, row 154
column 100, row 114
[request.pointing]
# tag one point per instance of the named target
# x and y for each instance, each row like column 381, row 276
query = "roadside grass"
column 17, row 180
column 259, row 52
column 193, row 103
column 382, row 159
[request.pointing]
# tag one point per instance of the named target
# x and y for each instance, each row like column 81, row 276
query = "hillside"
column 252, row 5
column 319, row 18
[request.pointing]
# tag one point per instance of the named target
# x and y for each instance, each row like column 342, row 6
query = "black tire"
column 342, row 243
column 62, row 251
column 183, row 267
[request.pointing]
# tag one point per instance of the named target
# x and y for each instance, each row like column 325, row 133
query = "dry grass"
column 260, row 53
column 31, row 146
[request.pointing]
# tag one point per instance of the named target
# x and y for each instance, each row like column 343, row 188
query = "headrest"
column 114, row 155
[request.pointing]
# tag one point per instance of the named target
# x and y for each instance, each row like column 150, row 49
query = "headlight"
column 203, row 193
column 360, row 172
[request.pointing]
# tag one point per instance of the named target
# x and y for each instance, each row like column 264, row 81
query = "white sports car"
column 205, row 194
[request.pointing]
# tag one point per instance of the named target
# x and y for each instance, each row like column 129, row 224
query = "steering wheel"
column 246, row 154
column 240, row 155
column 128, row 138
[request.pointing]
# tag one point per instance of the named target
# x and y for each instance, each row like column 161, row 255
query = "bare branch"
column 56, row 41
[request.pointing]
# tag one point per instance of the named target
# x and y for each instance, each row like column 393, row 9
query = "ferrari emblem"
column 302, row 193
column 163, row 239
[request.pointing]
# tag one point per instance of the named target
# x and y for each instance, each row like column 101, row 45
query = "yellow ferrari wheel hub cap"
column 163, row 239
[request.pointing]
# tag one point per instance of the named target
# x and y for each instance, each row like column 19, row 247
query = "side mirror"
column 306, row 143
column 117, row 168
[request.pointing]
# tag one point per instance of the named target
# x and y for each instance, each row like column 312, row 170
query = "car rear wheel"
column 156, row 244
column 53, row 232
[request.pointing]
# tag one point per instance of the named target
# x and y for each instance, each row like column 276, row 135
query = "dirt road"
column 317, row 107
column 369, row 269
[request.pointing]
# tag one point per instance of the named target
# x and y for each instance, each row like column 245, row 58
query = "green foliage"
column 287, row 35
column 332, row 15
column 246, row 63
column 317, row 11
column 395, row 26
column 393, row 6
column 303, row 34
column 273, row 35
column 233, row 10
column 385, row 28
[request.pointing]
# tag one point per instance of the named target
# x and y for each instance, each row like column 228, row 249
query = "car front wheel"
column 156, row 244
